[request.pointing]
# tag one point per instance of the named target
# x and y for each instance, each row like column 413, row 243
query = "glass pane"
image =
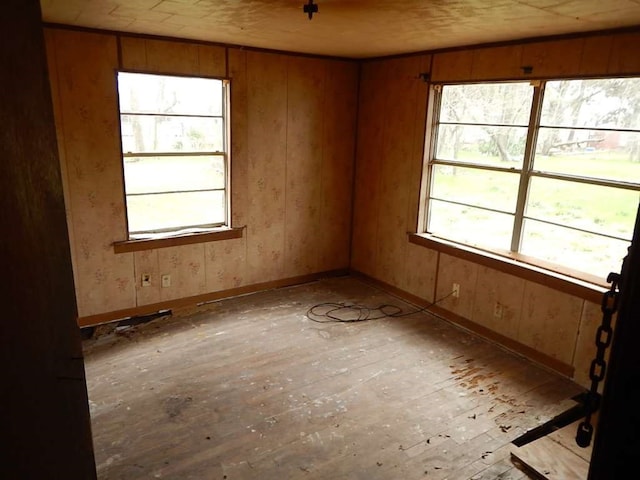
column 169, row 174
column 145, row 93
column 609, row 103
column 611, row 155
column 156, row 134
column 581, row 251
column 175, row 210
column 469, row 225
column 606, row 210
column 482, row 188
column 500, row 146
column 487, row 103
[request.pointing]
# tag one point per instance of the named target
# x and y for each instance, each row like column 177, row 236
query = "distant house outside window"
column 174, row 152
column 545, row 171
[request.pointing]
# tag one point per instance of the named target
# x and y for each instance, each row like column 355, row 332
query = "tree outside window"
column 174, row 143
column 549, row 170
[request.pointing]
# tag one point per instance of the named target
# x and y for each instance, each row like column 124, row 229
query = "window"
column 174, row 152
column 547, row 171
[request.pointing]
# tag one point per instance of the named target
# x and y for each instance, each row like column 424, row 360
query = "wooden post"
column 617, row 435
column 44, row 414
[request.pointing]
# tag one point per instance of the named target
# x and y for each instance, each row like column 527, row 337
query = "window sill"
column 517, row 265
column 127, row 246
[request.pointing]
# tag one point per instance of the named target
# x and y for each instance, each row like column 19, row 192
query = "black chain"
column 599, row 364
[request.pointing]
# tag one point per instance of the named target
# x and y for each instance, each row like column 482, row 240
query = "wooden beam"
column 617, row 436
column 45, row 413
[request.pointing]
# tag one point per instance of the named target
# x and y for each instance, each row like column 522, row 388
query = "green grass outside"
column 600, row 209
column 603, row 210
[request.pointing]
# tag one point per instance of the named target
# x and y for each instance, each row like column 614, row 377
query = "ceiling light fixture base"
column 310, row 8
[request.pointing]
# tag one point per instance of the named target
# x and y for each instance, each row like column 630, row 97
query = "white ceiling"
column 347, row 28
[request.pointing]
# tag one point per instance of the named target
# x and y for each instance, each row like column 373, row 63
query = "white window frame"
column 225, row 154
column 527, row 172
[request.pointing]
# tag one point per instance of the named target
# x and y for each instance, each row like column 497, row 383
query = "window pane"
column 606, row 210
column 500, row 146
column 469, row 225
column 608, row 103
column 611, row 155
column 146, row 93
column 489, row 103
column 588, row 129
column 155, row 134
column 175, row 210
column 581, row 251
column 170, row 127
column 482, row 188
column 170, row 174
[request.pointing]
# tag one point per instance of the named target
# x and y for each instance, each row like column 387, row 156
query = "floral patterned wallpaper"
column 293, row 131
column 293, row 135
column 391, row 129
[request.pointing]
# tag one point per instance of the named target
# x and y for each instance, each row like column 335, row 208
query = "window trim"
column 169, row 237
column 526, row 172
column 529, row 269
column 214, row 235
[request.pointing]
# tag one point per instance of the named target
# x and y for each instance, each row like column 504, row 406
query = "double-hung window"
column 546, row 171
column 175, row 153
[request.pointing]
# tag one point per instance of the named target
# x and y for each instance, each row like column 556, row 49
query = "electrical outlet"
column 456, row 290
column 166, row 280
column 497, row 310
column 146, row 280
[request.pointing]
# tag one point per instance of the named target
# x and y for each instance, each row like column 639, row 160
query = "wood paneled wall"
column 293, row 133
column 293, row 137
column 391, row 134
column 590, row 55
column 392, row 108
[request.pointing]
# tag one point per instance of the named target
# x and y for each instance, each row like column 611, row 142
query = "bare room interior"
column 321, row 239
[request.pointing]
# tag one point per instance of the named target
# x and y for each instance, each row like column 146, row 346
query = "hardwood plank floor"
column 556, row 456
column 250, row 388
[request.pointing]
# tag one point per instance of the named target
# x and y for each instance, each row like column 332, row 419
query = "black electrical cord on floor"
column 344, row 313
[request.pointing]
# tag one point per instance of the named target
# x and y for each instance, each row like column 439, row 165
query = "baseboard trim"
column 484, row 332
column 92, row 320
column 494, row 337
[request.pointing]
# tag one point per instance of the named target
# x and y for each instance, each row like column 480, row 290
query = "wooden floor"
column 250, row 388
column 555, row 456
